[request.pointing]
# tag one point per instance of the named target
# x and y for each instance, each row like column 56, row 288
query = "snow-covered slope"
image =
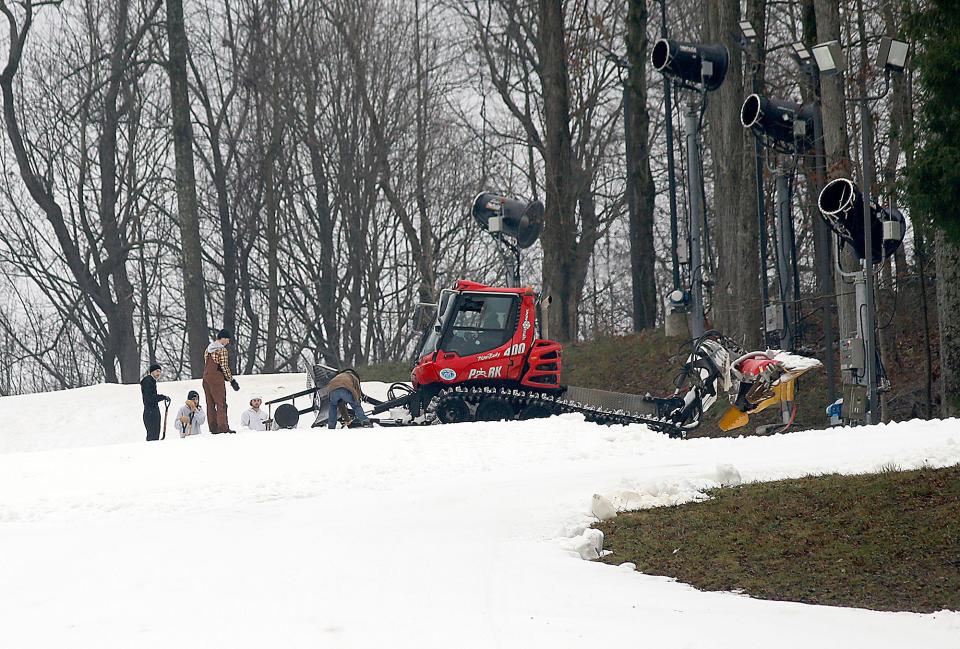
column 450, row 536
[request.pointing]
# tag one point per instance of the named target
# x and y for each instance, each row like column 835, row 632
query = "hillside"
column 886, row 541
column 467, row 535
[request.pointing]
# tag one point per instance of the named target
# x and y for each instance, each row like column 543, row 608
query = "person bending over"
column 344, row 390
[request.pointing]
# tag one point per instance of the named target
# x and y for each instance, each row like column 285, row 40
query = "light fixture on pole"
column 802, row 54
column 892, row 55
column 830, row 57
column 747, row 30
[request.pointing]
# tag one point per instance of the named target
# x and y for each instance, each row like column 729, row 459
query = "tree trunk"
column 427, row 264
column 272, row 203
column 227, row 237
column 640, row 187
column 921, row 254
column 948, row 306
column 327, row 288
column 193, row 286
column 562, row 184
column 122, row 336
column 837, row 149
column 271, row 190
column 736, row 296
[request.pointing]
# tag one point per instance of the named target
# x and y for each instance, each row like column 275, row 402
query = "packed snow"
column 467, row 535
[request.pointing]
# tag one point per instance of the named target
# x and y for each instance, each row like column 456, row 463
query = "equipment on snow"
column 286, row 416
column 481, row 359
column 163, row 435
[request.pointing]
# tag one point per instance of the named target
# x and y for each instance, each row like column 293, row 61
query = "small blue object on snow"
column 834, row 410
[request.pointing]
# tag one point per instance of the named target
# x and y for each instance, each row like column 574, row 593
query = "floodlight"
column 788, row 124
column 892, row 55
column 830, row 58
column 801, row 52
column 692, row 62
column 747, row 30
column 841, row 205
column 520, row 220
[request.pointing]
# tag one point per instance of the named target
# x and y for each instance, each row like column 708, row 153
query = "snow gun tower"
column 786, row 129
column 842, row 207
column 514, row 225
column 701, row 69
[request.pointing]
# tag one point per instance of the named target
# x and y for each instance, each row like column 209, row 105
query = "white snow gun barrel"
column 841, row 205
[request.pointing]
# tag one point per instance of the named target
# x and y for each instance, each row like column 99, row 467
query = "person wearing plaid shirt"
column 216, row 374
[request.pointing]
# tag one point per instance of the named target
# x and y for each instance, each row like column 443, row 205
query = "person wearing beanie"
column 254, row 418
column 216, row 374
column 191, row 416
column 151, row 402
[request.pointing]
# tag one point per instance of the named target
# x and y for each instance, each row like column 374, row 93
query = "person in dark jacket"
column 216, row 374
column 151, row 402
column 344, row 389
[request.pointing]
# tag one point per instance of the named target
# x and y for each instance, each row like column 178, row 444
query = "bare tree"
column 193, row 285
column 108, row 285
column 640, row 187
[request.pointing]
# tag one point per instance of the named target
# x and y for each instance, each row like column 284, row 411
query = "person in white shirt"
column 191, row 416
column 254, row 418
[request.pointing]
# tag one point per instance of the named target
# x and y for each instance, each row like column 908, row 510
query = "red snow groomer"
column 482, row 359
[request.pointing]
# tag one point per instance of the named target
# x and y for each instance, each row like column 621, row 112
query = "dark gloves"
column 166, row 399
column 234, row 385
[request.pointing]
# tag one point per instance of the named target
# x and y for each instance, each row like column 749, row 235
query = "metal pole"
column 783, row 267
column 762, row 223
column 826, row 245
column 869, row 328
column 671, row 174
column 511, row 261
column 695, row 188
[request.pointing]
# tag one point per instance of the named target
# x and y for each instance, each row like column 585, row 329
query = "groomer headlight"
column 695, row 63
column 788, row 124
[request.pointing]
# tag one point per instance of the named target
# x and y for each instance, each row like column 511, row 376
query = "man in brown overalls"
column 216, row 373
